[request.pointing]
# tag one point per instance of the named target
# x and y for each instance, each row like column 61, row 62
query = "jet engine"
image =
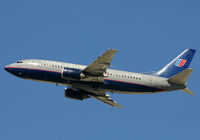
column 75, row 94
column 73, row 74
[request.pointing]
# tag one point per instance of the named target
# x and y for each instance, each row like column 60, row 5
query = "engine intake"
column 72, row 73
column 75, row 94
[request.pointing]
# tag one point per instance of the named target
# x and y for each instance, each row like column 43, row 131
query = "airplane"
column 95, row 80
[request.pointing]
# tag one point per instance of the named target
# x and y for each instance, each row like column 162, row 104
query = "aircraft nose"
column 7, row 68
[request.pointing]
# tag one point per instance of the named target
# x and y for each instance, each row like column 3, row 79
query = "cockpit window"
column 19, row 61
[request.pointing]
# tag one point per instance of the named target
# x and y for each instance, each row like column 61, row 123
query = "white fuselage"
column 113, row 80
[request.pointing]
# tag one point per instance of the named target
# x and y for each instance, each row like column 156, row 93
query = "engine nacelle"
column 72, row 73
column 74, row 94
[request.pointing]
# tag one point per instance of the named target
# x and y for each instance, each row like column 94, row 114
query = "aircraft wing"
column 99, row 66
column 106, row 99
column 100, row 95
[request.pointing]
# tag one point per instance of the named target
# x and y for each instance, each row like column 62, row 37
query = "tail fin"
column 177, row 65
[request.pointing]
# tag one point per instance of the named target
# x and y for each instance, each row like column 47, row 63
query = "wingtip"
column 112, row 49
column 120, row 106
column 117, row 105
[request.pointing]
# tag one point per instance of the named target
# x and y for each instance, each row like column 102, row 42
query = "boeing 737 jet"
column 96, row 79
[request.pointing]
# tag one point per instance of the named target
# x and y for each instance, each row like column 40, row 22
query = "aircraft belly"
column 43, row 76
column 109, row 85
column 128, row 87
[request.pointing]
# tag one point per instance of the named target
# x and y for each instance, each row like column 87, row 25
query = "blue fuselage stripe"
column 55, row 76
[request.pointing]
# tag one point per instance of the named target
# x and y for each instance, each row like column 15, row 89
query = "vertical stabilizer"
column 177, row 65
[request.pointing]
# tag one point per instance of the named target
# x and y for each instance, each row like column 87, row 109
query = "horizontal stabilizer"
column 181, row 77
column 188, row 91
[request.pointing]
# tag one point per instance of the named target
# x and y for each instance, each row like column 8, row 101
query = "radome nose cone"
column 7, row 68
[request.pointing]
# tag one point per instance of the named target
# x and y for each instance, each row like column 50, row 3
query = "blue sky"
column 148, row 34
